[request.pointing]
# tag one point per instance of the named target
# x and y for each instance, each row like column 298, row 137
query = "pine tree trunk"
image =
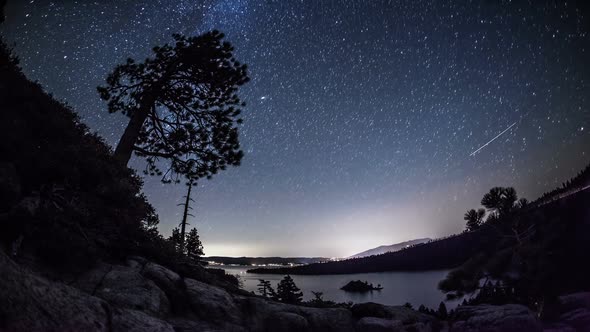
column 125, row 147
column 184, row 218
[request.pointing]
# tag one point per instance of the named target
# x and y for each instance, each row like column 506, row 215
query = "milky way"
column 361, row 114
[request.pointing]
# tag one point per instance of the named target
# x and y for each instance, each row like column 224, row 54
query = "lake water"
column 398, row 287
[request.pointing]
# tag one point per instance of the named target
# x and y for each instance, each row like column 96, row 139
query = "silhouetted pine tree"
column 194, row 247
column 176, row 239
column 265, row 289
column 183, row 107
column 191, row 246
column 288, row 292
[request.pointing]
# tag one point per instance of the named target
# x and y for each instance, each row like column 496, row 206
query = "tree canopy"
column 474, row 218
column 288, row 292
column 190, row 245
column 194, row 247
column 500, row 200
column 183, row 107
column 265, row 288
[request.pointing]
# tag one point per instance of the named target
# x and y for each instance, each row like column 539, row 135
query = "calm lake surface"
column 398, row 287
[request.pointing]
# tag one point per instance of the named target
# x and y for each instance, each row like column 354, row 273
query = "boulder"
column 371, row 309
column 137, row 263
column 137, row 321
column 327, row 319
column 421, row 327
column 90, row 280
column 574, row 313
column 169, row 282
column 575, row 301
column 32, row 303
column 161, row 275
column 495, row 318
column 257, row 312
column 558, row 328
column 578, row 319
column 212, row 303
column 184, row 324
column 373, row 324
column 125, row 287
column 400, row 313
column 287, row 322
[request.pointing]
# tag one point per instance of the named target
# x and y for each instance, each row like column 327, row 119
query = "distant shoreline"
column 264, row 261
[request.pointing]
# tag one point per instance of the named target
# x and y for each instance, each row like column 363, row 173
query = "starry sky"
column 368, row 122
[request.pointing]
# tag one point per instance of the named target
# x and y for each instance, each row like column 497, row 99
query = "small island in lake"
column 360, row 286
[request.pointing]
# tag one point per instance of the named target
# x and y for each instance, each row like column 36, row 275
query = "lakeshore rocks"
column 32, row 303
column 400, row 313
column 573, row 312
column 136, row 297
column 125, row 287
column 377, row 317
column 171, row 283
column 329, row 320
column 575, row 301
column 373, row 324
column 261, row 315
column 212, row 303
column 137, row 321
column 287, row 322
column 495, row 318
column 578, row 319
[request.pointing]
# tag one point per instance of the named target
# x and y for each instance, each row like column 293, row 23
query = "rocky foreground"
column 144, row 296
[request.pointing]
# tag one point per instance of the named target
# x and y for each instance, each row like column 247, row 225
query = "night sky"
column 367, row 121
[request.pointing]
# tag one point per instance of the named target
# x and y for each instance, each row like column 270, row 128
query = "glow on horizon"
column 346, row 233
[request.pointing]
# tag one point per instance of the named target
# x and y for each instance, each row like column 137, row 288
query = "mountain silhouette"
column 390, row 248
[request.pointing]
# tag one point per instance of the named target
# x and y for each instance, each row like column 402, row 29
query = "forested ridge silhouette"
column 452, row 251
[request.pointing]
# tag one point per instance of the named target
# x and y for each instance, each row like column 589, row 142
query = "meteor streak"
column 493, row 139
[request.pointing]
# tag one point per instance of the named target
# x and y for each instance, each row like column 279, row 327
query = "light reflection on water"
column 398, row 287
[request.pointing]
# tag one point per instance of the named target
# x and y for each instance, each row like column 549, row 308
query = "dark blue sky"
column 362, row 116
